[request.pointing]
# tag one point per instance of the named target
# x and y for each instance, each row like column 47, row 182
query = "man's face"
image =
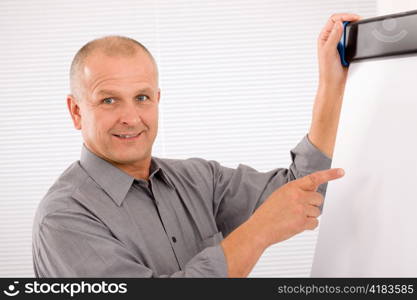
column 118, row 112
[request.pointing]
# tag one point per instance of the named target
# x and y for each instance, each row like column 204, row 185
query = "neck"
column 138, row 170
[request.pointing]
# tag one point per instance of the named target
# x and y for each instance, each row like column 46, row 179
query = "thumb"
column 311, row 182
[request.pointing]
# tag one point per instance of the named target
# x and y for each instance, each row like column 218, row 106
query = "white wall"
column 385, row 7
column 238, row 80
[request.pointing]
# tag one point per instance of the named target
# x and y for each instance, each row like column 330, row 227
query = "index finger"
column 311, row 182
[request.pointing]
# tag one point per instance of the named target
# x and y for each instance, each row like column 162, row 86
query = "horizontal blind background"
column 38, row 141
column 238, row 80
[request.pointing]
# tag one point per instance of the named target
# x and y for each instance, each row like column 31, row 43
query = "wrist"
column 258, row 237
column 242, row 249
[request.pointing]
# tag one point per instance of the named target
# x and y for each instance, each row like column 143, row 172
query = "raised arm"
column 332, row 79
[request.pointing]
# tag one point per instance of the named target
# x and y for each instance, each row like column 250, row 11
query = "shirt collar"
column 157, row 169
column 111, row 179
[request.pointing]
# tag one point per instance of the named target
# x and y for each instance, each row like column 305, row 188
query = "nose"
column 130, row 115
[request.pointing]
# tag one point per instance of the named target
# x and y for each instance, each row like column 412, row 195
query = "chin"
column 126, row 158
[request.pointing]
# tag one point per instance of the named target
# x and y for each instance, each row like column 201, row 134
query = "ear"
column 74, row 110
column 159, row 95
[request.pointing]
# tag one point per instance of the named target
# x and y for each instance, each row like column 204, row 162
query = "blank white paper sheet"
column 369, row 223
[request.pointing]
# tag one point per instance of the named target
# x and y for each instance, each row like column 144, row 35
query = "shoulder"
column 59, row 195
column 189, row 167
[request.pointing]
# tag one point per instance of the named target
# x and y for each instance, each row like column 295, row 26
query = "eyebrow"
column 112, row 92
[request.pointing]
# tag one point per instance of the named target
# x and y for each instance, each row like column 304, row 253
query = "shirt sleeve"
column 71, row 244
column 238, row 192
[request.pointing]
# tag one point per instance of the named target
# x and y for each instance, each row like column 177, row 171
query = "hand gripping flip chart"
column 369, row 223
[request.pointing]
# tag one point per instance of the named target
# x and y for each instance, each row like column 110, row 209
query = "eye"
column 108, row 100
column 142, row 98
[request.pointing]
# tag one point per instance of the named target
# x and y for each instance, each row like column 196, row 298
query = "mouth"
column 128, row 137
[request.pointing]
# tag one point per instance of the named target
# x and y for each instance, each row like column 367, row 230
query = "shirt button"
column 174, row 239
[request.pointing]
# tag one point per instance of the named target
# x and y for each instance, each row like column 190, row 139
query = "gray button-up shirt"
column 97, row 221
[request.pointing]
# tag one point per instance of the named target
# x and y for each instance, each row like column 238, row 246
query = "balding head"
column 114, row 101
column 110, row 46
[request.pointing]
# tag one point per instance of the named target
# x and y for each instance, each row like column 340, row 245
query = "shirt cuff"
column 211, row 262
column 308, row 159
column 215, row 255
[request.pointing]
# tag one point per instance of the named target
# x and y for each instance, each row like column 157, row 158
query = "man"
column 120, row 212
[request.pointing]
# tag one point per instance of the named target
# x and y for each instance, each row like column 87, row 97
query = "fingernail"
column 340, row 24
column 340, row 172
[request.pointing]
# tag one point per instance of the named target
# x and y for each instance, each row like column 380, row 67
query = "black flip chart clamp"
column 388, row 35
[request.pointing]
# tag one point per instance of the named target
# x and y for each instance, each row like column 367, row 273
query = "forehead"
column 100, row 69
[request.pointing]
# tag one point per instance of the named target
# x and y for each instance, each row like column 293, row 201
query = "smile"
column 128, row 137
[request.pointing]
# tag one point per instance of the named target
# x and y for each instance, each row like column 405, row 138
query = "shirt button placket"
column 165, row 219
